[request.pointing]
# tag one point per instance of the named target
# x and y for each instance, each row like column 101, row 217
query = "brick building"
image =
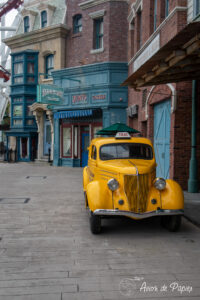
column 96, row 65
column 163, row 112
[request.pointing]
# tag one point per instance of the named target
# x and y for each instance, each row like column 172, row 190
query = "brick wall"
column 180, row 129
column 79, row 45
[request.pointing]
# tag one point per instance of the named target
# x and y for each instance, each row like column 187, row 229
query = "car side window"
column 94, row 153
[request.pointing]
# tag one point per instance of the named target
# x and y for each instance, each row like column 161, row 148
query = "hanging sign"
column 50, row 94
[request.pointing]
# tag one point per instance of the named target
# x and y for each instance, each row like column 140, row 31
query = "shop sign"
column 97, row 97
column 50, row 94
column 79, row 99
column 150, row 50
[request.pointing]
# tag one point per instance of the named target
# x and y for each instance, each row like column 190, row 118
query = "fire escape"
column 6, row 7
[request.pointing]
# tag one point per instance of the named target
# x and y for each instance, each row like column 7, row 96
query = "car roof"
column 110, row 140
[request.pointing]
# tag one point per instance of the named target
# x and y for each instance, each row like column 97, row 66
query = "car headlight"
column 113, row 184
column 160, row 184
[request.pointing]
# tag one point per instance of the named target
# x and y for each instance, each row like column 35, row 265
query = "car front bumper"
column 130, row 214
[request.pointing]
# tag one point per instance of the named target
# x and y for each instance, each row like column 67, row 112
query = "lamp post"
column 193, row 184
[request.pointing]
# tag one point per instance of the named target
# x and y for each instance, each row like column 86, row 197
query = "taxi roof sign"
column 122, row 135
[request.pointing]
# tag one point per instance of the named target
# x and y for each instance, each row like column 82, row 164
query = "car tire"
column 95, row 224
column 172, row 223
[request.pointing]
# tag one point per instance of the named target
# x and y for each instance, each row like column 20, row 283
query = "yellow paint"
column 98, row 172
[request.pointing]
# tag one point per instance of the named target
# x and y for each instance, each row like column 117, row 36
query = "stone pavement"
column 192, row 207
column 48, row 253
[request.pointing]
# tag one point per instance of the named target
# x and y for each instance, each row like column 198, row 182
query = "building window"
column 166, row 8
column 66, row 142
column 18, row 72
column 155, row 15
column 43, row 19
column 77, row 23
column 98, row 33
column 26, row 24
column 17, row 122
column 17, row 111
column 139, row 31
column 49, row 65
column 196, row 7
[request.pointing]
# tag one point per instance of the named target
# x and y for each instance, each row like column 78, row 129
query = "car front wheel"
column 95, row 223
column 172, row 223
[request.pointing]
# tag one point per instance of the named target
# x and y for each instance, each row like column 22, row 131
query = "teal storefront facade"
column 93, row 99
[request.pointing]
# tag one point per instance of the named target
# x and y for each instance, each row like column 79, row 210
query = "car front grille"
column 137, row 189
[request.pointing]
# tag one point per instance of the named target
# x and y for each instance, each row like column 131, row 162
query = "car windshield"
column 126, row 151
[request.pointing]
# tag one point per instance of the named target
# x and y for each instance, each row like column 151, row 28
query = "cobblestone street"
column 48, row 253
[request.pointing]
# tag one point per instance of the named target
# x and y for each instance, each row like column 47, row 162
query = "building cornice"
column 146, row 44
column 37, row 36
column 90, row 3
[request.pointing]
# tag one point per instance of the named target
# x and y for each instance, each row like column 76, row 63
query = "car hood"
column 128, row 166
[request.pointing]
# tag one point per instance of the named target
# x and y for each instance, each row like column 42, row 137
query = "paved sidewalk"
column 48, row 253
column 192, row 207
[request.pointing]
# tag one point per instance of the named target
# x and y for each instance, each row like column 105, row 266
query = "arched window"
column 43, row 19
column 26, row 24
column 77, row 23
column 49, row 64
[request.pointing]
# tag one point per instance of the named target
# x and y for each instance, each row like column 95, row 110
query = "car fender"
column 172, row 196
column 98, row 196
column 85, row 178
column 169, row 198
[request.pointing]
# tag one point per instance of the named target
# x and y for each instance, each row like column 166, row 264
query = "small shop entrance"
column 162, row 120
column 47, row 137
column 85, row 140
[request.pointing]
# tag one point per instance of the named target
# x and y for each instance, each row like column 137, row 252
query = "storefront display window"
column 66, row 138
column 95, row 129
column 75, row 141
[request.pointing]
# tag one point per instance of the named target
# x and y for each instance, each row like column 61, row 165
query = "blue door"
column 84, row 150
column 162, row 122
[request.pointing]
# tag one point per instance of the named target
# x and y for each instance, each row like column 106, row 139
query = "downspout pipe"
column 193, row 183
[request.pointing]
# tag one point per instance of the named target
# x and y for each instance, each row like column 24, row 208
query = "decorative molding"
column 97, row 14
column 172, row 13
column 37, row 36
column 96, row 51
column 173, row 99
column 137, row 5
column 31, row 14
column 26, row 12
column 91, row 3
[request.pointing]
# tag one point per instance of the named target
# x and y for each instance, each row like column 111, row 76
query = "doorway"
column 162, row 121
column 85, row 140
column 47, row 137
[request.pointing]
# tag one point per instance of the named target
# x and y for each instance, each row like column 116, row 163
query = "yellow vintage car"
column 120, row 180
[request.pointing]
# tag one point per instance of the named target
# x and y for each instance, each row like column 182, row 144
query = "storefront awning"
column 73, row 114
column 178, row 60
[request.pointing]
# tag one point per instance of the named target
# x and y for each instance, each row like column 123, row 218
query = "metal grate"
column 43, row 177
column 14, row 200
column 137, row 198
